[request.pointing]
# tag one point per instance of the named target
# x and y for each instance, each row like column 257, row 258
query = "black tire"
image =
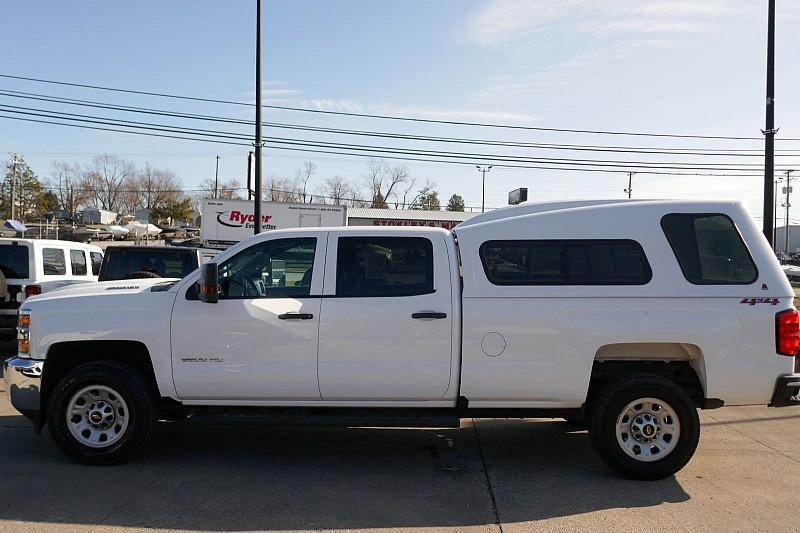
column 608, row 407
column 129, row 384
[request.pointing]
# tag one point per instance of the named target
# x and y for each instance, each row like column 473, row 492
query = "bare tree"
column 226, row 190
column 336, row 191
column 154, row 187
column 303, row 176
column 382, row 180
column 66, row 182
column 106, row 179
column 282, row 190
column 406, row 192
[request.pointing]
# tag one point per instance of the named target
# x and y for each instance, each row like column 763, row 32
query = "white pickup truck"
column 629, row 314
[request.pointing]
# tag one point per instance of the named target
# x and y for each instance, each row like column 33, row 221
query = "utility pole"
column 258, row 143
column 787, row 190
column 483, row 171
column 216, row 178
column 775, row 216
column 769, row 132
column 14, row 188
column 629, row 190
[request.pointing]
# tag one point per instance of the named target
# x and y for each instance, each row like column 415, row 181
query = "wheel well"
column 680, row 372
column 65, row 356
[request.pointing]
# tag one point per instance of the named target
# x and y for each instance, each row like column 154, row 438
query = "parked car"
column 634, row 314
column 33, row 266
column 132, row 262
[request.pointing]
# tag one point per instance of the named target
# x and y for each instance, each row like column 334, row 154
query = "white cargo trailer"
column 226, row 222
column 94, row 215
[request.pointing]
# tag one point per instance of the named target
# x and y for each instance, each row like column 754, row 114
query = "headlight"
column 23, row 334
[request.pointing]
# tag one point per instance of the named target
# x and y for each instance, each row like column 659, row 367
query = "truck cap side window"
column 281, row 268
column 384, row 266
column 565, row 262
column 709, row 249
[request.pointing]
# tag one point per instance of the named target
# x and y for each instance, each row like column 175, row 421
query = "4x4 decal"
column 754, row 301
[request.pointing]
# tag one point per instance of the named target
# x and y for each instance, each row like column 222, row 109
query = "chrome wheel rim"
column 648, row 429
column 97, row 416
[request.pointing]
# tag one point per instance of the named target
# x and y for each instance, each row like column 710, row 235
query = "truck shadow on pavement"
column 254, row 477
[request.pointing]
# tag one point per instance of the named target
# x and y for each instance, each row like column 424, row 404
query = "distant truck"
column 29, row 267
column 136, row 262
column 226, row 222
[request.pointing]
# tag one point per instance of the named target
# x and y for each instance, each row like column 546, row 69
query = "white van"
column 32, row 266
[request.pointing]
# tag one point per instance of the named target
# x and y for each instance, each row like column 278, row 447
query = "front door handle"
column 429, row 315
column 296, row 316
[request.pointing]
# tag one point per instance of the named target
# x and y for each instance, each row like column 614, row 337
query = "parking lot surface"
column 491, row 475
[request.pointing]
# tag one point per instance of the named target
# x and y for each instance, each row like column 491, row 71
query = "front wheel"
column 644, row 427
column 101, row 413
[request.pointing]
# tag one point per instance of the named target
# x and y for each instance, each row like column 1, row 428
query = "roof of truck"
column 50, row 242
column 532, row 208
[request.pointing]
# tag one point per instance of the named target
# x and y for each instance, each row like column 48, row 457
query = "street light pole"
column 788, row 190
column 216, row 179
column 483, row 171
column 14, row 189
column 258, row 143
column 629, row 190
column 775, row 216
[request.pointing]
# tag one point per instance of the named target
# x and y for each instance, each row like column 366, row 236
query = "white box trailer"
column 226, row 222
column 94, row 215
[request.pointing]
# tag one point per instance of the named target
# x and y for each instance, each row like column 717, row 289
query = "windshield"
column 14, row 261
column 122, row 264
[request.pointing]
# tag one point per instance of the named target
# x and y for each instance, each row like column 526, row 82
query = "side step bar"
column 327, row 416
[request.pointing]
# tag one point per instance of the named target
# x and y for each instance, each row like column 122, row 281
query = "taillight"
column 23, row 334
column 32, row 290
column 787, row 332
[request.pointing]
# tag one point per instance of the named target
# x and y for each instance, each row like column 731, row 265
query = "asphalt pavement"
column 492, row 475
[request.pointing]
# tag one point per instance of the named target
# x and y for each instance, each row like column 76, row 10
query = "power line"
column 371, row 133
column 182, row 130
column 393, row 157
column 387, row 117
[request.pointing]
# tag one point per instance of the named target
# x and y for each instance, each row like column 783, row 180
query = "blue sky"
column 674, row 66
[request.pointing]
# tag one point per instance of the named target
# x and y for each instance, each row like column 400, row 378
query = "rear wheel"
column 101, row 413
column 644, row 427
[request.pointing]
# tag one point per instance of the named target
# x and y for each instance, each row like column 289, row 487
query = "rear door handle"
column 296, row 316
column 428, row 314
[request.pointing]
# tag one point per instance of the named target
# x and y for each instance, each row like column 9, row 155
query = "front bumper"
column 787, row 391
column 23, row 387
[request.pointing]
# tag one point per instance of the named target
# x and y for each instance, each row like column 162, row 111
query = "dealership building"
column 366, row 216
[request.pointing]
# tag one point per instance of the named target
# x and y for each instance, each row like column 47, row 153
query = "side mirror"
column 208, row 286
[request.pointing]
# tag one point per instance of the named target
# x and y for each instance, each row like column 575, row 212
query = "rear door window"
column 384, row 266
column 14, row 262
column 77, row 258
column 709, row 249
column 54, row 262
